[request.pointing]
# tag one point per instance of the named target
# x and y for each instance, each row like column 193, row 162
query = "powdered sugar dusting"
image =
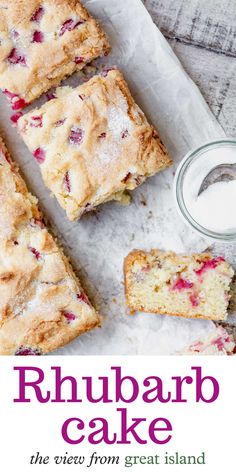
column 118, row 118
column 120, row 126
column 118, row 122
column 109, row 151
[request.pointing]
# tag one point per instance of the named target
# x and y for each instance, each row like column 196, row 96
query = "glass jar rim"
column 178, row 190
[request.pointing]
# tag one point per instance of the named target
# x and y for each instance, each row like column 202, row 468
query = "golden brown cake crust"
column 145, row 261
column 93, row 143
column 42, row 42
column 42, row 305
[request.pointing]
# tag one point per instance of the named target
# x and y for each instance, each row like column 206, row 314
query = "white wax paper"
column 98, row 243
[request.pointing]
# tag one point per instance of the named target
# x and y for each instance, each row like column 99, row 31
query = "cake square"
column 93, row 143
column 42, row 304
column 41, row 43
column 195, row 286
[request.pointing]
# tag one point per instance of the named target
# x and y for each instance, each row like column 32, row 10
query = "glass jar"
column 188, row 179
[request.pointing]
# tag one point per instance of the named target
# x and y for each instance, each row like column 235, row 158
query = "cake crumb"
column 143, row 200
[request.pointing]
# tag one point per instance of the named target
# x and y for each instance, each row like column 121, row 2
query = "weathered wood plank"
column 215, row 75
column 205, row 23
column 203, row 36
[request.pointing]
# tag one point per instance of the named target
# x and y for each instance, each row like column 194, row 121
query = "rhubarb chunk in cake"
column 218, row 343
column 196, row 286
column 93, row 143
column 42, row 304
column 41, row 43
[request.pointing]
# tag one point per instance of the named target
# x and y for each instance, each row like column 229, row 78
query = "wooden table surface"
column 203, row 36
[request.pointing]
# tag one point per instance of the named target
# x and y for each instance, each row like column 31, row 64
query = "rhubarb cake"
column 218, row 343
column 41, row 43
column 93, row 143
column 42, row 304
column 195, row 286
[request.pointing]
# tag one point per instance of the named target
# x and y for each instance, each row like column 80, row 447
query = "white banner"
column 141, row 413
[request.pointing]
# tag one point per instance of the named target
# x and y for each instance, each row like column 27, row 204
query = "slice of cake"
column 41, row 43
column 42, row 304
column 218, row 343
column 196, row 286
column 93, row 143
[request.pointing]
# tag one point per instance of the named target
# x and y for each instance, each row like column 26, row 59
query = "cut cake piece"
column 93, row 143
column 41, row 43
column 42, row 304
column 196, row 286
column 218, row 343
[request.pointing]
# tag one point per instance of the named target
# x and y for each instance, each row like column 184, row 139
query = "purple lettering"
column 154, row 427
column 125, row 429
column 105, row 389
column 104, row 430
column 157, row 390
column 133, row 384
column 23, row 384
column 179, row 386
column 199, row 384
column 59, row 381
column 65, row 433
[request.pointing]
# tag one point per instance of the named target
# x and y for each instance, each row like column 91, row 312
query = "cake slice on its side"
column 93, row 143
column 218, row 343
column 42, row 304
column 196, row 286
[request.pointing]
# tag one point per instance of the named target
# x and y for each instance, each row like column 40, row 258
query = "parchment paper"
column 99, row 242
